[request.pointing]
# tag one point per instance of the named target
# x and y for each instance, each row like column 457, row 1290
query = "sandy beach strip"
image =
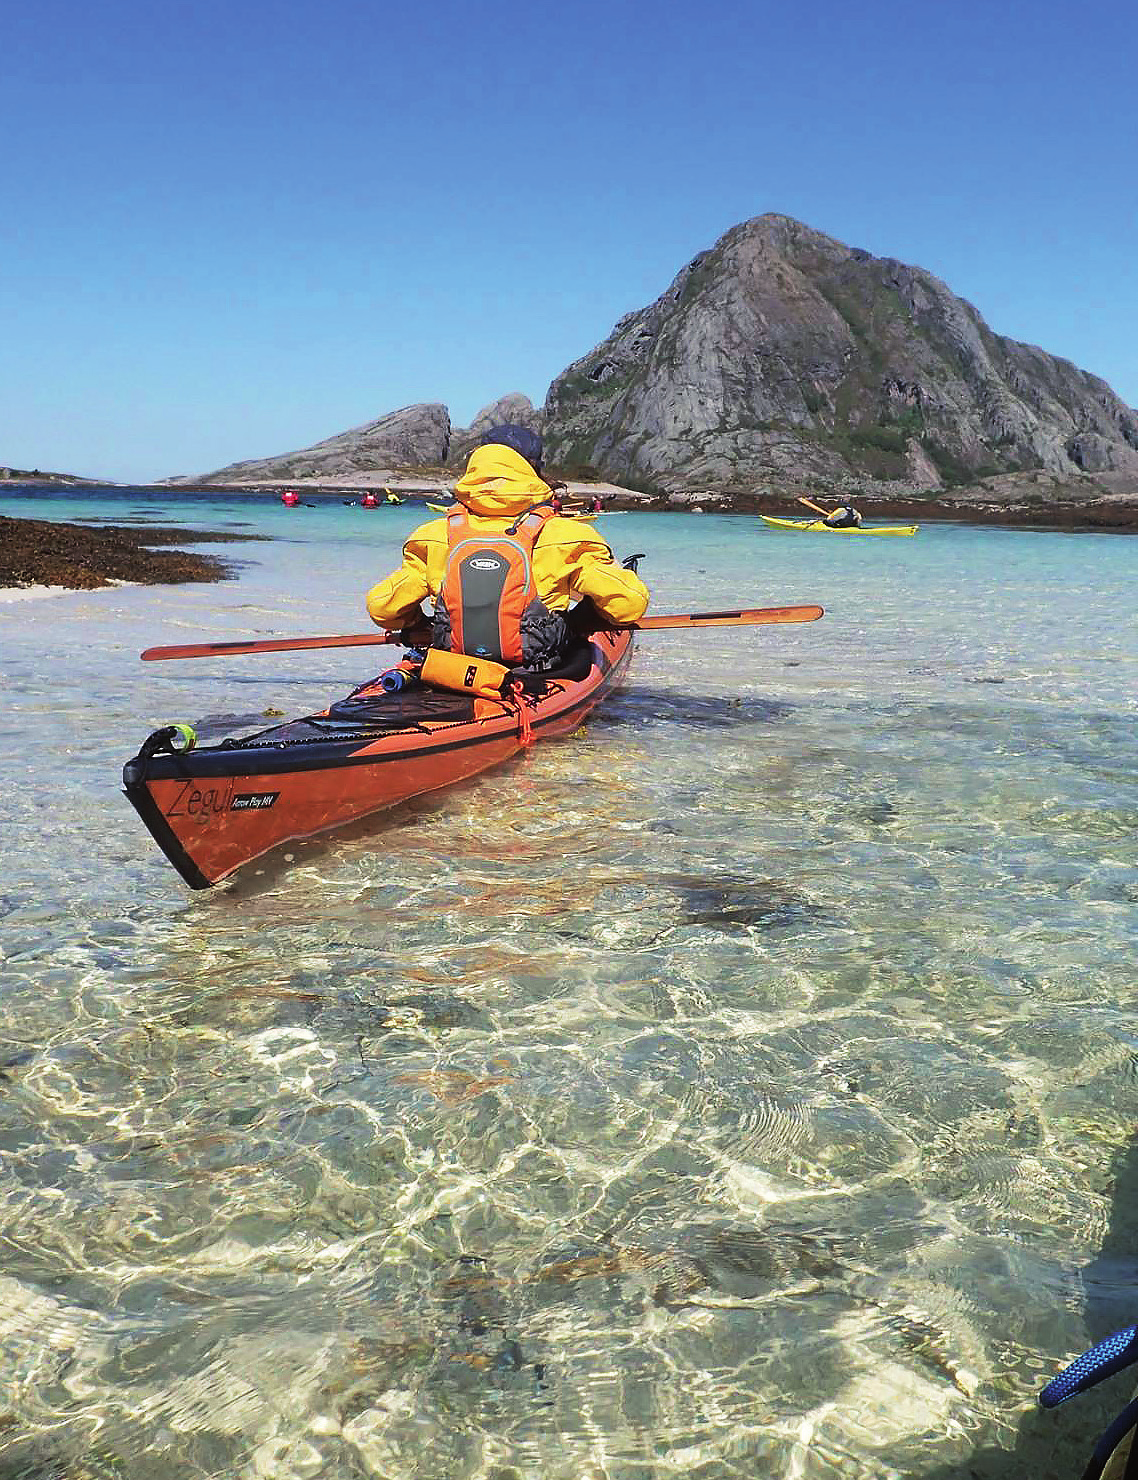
column 10, row 594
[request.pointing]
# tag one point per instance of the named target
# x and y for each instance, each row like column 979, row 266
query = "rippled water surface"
column 745, row 1086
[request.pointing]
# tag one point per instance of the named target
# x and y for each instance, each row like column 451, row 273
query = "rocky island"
column 782, row 362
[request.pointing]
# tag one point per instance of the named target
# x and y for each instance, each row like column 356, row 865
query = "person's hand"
column 585, row 618
column 416, row 629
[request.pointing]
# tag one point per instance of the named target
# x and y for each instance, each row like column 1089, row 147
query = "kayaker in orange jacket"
column 499, row 488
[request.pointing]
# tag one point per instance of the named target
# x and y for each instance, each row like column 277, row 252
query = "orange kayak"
column 213, row 809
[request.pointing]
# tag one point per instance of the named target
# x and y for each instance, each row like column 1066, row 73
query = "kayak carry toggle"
column 169, row 740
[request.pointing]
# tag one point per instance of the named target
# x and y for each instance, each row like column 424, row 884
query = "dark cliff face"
column 781, row 355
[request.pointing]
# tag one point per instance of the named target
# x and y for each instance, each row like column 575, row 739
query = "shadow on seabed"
column 1057, row 1445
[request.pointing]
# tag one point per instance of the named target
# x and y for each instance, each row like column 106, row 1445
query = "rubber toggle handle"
column 1104, row 1360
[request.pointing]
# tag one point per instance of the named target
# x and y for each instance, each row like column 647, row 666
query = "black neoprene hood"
column 524, row 442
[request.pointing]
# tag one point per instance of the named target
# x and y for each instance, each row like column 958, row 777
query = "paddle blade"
column 749, row 618
column 270, row 645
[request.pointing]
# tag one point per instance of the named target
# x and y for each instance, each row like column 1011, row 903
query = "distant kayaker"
column 476, row 561
column 596, row 507
column 843, row 517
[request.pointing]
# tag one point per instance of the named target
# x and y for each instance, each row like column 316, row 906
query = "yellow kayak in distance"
column 816, row 526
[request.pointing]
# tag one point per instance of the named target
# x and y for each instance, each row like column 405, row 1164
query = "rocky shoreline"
column 1031, row 501
column 39, row 552
column 42, row 553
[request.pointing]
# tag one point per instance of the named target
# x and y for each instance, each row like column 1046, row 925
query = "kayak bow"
column 213, row 809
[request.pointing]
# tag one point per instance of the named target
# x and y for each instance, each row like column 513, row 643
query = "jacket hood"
column 498, row 481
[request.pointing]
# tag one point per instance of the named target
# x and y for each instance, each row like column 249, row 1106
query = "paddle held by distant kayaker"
column 504, row 570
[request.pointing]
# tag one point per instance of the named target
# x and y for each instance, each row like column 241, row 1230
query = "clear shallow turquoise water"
column 745, row 1086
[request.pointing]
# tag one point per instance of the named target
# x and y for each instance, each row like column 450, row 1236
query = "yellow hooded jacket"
column 569, row 560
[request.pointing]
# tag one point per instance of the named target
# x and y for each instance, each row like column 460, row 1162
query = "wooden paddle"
column 818, row 509
column 754, row 616
column 271, row 645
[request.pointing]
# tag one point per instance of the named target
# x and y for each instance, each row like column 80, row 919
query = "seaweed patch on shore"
column 40, row 552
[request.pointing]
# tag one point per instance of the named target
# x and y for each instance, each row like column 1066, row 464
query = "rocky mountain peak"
column 783, row 355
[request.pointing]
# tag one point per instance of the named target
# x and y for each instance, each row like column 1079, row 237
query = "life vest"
column 488, row 606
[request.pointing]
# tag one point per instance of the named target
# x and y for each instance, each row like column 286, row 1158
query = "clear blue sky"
column 233, row 227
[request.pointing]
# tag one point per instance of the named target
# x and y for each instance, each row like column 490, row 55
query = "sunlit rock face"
column 416, row 436
column 514, row 409
column 782, row 354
